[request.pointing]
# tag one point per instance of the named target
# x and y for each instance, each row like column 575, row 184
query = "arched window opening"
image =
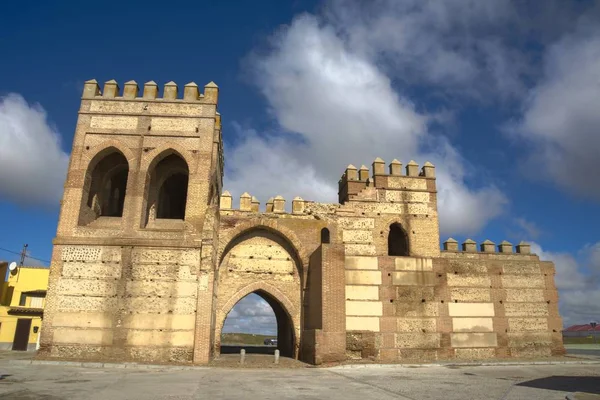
column 325, row 236
column 259, row 324
column 168, row 189
column 115, row 188
column 397, row 241
column 105, row 187
column 172, row 197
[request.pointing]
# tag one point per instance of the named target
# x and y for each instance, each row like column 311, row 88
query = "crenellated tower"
column 408, row 199
column 138, row 214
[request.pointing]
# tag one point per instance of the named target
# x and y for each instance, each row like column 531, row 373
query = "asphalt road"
column 540, row 382
column 586, row 352
column 583, row 349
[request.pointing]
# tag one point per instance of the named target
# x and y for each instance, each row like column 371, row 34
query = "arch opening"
column 397, row 241
column 172, row 197
column 168, row 189
column 325, row 236
column 105, row 187
column 260, row 324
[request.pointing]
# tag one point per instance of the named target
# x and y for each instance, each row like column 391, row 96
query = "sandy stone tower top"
column 142, row 144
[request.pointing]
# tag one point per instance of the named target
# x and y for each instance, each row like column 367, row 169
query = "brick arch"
column 253, row 287
column 93, row 182
column 91, row 157
column 405, row 227
column 148, row 167
column 283, row 301
column 226, row 241
column 156, row 155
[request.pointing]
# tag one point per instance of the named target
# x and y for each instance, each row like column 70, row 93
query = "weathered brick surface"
column 141, row 286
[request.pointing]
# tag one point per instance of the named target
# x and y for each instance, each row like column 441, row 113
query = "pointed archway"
column 263, row 262
column 283, row 332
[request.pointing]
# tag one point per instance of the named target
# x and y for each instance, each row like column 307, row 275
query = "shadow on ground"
column 587, row 384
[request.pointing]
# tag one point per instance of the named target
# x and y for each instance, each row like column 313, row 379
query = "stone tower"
column 139, row 204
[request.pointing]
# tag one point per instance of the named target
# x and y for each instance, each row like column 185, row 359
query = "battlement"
column 250, row 203
column 131, row 91
column 487, row 246
column 114, row 110
column 354, row 180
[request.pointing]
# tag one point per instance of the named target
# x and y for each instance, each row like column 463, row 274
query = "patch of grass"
column 244, row 338
column 580, row 340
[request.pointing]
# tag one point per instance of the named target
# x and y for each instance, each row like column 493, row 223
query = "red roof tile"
column 580, row 328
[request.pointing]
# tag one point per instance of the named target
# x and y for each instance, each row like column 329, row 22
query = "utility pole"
column 23, row 254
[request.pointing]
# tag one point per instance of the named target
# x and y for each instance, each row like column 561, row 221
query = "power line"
column 28, row 256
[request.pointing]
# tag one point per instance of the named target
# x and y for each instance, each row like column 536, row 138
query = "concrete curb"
column 348, row 366
column 472, row 364
column 105, row 365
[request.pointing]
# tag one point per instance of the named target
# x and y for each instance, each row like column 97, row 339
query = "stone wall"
column 462, row 305
column 126, row 303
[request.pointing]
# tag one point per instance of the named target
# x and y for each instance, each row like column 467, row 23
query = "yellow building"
column 22, row 300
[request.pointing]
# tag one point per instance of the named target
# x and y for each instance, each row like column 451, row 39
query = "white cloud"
column 267, row 167
column 457, row 46
column 252, row 314
column 561, row 117
column 344, row 80
column 32, row 163
column 592, row 252
column 529, row 229
column 568, row 274
column 335, row 107
column 579, row 293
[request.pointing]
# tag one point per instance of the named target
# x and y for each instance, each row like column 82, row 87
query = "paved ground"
column 583, row 349
column 21, row 381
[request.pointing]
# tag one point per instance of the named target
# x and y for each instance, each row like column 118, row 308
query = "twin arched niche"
column 167, row 188
column 104, row 186
column 397, row 241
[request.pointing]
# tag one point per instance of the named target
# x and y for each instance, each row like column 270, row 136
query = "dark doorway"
column 397, row 241
column 250, row 321
column 22, row 334
column 325, row 236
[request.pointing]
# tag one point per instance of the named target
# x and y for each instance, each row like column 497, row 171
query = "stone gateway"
column 150, row 254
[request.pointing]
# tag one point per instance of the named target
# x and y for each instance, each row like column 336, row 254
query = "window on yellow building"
column 36, row 302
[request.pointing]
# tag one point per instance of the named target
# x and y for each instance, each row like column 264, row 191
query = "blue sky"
column 503, row 99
